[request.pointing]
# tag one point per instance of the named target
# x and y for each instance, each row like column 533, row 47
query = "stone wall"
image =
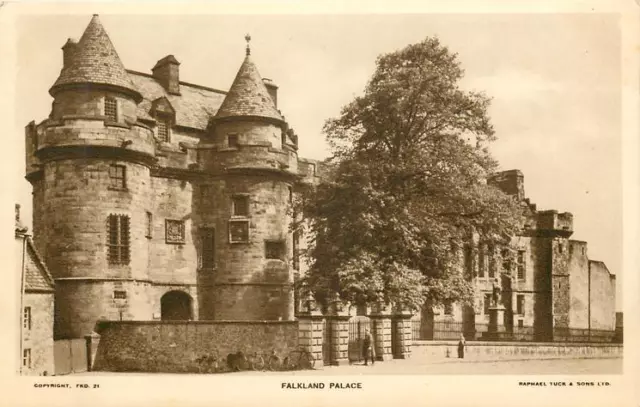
column 561, row 284
column 174, row 346
column 73, row 208
column 434, row 350
column 579, row 284
column 244, row 284
column 602, row 297
column 172, row 262
column 39, row 339
column 90, row 102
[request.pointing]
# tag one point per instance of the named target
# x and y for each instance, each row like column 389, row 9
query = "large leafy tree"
column 405, row 188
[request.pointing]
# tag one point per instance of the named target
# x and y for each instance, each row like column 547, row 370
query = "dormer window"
column 163, row 129
column 111, row 109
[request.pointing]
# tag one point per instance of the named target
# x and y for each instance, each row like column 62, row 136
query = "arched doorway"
column 175, row 306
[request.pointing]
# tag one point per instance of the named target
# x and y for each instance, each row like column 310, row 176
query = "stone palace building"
column 549, row 287
column 158, row 199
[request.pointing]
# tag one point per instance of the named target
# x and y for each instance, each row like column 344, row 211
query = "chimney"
column 17, row 213
column 510, row 182
column 272, row 88
column 167, row 72
column 68, row 50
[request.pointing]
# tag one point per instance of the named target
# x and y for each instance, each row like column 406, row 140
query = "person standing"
column 367, row 345
column 461, row 344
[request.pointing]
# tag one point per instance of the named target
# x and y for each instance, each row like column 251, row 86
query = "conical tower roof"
column 94, row 60
column 248, row 96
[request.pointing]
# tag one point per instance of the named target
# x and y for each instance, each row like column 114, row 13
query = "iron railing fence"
column 451, row 330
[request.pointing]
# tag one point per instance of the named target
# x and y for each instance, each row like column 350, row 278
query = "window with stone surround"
column 149, row 227
column 232, row 140
column 482, row 261
column 487, row 303
column 174, row 231
column 448, row 308
column 296, row 250
column 491, row 262
column 118, row 176
column 240, row 205
column 119, row 295
column 163, row 126
column 520, row 305
column 520, row 323
column 26, row 318
column 468, row 259
column 207, row 248
column 111, row 109
column 275, row 249
column 239, row 231
column 521, row 265
column 26, row 358
column 118, row 239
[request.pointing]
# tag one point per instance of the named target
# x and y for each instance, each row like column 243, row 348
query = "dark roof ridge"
column 193, row 85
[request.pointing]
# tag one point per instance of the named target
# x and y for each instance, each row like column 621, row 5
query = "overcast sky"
column 554, row 78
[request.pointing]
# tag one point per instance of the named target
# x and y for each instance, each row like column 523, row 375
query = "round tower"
column 92, row 189
column 252, row 165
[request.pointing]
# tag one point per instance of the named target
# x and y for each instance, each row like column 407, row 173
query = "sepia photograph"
column 294, row 197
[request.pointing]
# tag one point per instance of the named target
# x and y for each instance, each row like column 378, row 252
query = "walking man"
column 367, row 345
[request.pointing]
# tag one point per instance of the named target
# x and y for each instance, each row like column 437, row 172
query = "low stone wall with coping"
column 175, row 346
column 434, row 350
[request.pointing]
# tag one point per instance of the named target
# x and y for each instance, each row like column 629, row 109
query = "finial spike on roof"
column 247, row 38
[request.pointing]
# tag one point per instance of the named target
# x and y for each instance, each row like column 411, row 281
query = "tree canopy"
column 405, row 188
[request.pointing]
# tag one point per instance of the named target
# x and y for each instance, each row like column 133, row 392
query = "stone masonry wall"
column 76, row 203
column 603, row 297
column 542, row 263
column 244, row 284
column 579, row 283
column 74, row 206
column 91, row 103
column 498, row 351
column 39, row 339
column 172, row 262
column 81, row 304
column 561, row 285
column 175, row 346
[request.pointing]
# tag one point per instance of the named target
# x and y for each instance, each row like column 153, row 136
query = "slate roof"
column 94, row 60
column 194, row 106
column 248, row 96
column 37, row 276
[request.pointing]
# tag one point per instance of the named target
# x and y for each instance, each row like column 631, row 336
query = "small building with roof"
column 37, row 305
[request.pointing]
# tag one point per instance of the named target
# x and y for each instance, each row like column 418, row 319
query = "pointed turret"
column 94, row 61
column 248, row 95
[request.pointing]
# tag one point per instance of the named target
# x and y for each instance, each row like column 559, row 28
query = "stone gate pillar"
column 310, row 332
column 380, row 316
column 338, row 320
column 401, row 329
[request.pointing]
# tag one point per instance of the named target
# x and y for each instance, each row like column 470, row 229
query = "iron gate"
column 357, row 328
